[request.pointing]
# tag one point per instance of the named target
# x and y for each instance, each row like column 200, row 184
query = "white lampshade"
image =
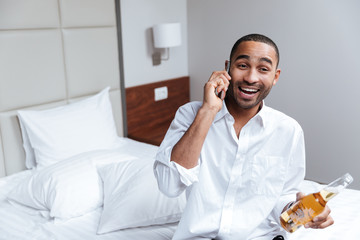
column 167, row 35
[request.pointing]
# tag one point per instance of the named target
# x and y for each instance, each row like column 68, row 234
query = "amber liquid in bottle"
column 312, row 205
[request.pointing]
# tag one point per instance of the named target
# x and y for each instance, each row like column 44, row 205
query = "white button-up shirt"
column 240, row 185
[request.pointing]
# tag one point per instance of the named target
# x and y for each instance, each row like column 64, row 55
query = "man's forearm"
column 187, row 151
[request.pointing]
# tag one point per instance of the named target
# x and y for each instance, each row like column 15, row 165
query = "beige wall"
column 319, row 84
column 137, row 19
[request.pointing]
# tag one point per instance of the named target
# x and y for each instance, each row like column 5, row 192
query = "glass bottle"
column 304, row 210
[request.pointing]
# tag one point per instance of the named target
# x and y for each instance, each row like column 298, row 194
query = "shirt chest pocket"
column 267, row 175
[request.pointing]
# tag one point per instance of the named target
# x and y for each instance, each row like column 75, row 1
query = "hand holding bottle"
column 323, row 220
column 311, row 210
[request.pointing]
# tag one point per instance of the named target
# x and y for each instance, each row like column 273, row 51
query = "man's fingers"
column 220, row 80
column 322, row 220
column 218, row 83
column 329, row 221
column 215, row 89
column 227, row 74
column 220, row 75
column 323, row 215
column 299, row 196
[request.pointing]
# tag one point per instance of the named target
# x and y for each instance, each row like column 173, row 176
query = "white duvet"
column 16, row 224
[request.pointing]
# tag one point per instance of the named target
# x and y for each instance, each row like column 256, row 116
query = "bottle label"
column 302, row 216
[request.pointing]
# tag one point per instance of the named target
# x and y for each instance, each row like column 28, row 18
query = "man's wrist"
column 208, row 110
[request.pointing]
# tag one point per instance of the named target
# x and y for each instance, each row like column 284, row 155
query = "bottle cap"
column 348, row 178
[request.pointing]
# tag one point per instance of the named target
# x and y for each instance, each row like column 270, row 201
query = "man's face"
column 253, row 73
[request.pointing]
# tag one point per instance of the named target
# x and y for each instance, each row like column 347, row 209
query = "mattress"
column 16, row 224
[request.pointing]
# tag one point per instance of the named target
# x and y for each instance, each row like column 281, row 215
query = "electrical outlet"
column 161, row 93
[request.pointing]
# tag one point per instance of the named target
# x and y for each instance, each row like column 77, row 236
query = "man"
column 239, row 160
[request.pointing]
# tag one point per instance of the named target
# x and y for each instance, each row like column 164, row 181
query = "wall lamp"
column 166, row 35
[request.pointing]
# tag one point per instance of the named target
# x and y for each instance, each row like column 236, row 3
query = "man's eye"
column 264, row 69
column 242, row 66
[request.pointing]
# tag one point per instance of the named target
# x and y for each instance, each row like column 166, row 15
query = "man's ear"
column 277, row 75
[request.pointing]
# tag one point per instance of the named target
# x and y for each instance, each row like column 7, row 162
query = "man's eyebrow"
column 248, row 57
column 266, row 60
column 242, row 56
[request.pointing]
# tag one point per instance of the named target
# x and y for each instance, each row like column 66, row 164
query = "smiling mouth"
column 248, row 91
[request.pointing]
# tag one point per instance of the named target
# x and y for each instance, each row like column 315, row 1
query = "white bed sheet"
column 15, row 224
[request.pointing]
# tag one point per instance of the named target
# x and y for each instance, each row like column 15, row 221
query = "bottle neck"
column 328, row 194
column 335, row 187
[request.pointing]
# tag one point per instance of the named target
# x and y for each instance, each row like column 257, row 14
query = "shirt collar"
column 222, row 113
column 260, row 116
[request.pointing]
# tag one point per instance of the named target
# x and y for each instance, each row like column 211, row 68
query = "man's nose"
column 251, row 76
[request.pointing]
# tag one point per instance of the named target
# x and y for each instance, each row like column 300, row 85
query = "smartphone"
column 222, row 93
column 228, row 68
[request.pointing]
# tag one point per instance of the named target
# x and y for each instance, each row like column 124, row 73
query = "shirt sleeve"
column 172, row 178
column 295, row 175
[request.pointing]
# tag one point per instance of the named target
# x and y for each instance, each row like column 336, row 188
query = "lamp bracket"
column 156, row 57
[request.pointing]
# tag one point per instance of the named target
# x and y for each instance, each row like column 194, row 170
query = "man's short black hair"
column 256, row 38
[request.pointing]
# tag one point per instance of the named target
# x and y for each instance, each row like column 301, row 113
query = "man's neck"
column 241, row 115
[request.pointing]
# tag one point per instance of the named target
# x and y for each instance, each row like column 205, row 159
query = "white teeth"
column 249, row 90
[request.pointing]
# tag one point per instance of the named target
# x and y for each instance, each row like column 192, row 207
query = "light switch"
column 161, row 93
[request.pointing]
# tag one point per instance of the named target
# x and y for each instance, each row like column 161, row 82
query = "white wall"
column 137, row 19
column 319, row 44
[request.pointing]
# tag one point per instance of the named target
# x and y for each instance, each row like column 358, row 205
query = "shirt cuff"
column 187, row 176
column 184, row 175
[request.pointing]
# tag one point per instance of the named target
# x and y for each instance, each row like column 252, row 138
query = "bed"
column 69, row 168
column 15, row 223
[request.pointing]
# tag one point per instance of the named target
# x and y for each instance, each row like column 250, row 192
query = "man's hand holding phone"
column 216, row 87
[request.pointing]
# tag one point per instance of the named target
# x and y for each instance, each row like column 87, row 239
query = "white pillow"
column 67, row 189
column 61, row 132
column 132, row 197
column 30, row 161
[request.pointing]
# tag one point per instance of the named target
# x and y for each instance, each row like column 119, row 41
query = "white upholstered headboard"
column 53, row 52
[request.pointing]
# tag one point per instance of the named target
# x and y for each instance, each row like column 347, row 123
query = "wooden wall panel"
column 147, row 119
